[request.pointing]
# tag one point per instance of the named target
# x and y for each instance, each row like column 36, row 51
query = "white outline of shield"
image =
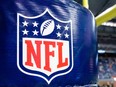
column 32, row 74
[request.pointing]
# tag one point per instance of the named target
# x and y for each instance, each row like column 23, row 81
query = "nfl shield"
column 44, row 46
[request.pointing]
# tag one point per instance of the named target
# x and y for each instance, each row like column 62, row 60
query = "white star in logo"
column 66, row 28
column 66, row 35
column 58, row 26
column 25, row 32
column 35, row 24
column 35, row 32
column 25, row 23
column 58, row 34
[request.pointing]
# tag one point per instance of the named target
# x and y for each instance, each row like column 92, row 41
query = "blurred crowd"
column 107, row 68
column 106, row 85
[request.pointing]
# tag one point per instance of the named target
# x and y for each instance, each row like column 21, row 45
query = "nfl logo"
column 44, row 46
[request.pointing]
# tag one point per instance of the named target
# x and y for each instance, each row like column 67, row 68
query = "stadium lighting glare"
column 114, row 78
column 101, row 51
column 111, row 24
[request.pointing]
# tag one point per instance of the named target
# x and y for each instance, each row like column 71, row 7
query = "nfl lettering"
column 44, row 46
column 37, row 57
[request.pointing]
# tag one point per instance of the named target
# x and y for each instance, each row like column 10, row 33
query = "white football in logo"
column 47, row 27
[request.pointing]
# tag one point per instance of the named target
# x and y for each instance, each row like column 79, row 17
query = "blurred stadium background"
column 106, row 42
